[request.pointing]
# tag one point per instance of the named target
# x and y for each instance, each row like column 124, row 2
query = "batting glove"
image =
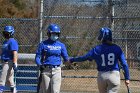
column 15, row 67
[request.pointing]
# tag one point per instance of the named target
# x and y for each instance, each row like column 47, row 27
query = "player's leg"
column 10, row 78
column 39, row 84
column 56, row 80
column 46, row 77
column 3, row 75
column 114, row 82
column 102, row 83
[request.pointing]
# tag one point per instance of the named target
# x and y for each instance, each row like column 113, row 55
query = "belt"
column 52, row 66
column 5, row 60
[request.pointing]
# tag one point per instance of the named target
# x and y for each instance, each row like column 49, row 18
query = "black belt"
column 52, row 66
column 5, row 60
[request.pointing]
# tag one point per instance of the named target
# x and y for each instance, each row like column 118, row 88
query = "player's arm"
column 14, row 49
column 64, row 53
column 125, row 68
column 89, row 56
column 39, row 54
column 38, row 59
column 15, row 57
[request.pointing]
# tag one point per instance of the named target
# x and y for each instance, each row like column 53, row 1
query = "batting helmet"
column 9, row 29
column 53, row 28
column 105, row 34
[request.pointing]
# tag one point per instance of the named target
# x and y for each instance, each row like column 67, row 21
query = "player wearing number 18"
column 107, row 57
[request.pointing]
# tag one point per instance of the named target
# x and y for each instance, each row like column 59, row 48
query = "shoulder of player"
column 100, row 46
column 12, row 40
column 116, row 45
column 59, row 42
column 45, row 42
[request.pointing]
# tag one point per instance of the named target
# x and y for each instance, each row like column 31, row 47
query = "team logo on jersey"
column 54, row 47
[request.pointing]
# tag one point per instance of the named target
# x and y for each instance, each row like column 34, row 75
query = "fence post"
column 41, row 19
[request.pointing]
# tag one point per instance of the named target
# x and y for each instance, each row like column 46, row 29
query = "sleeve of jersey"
column 64, row 53
column 88, row 56
column 14, row 45
column 38, row 54
column 125, row 66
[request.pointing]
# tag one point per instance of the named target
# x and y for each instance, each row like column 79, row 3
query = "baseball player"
column 107, row 57
column 9, row 59
column 48, row 58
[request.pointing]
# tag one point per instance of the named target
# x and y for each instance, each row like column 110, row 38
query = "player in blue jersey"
column 48, row 58
column 107, row 57
column 9, row 59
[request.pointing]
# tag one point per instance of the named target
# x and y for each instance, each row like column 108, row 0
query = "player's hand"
column 41, row 67
column 127, row 82
column 68, row 62
column 15, row 67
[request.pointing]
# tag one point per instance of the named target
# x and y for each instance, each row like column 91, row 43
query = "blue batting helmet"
column 105, row 34
column 53, row 28
column 9, row 29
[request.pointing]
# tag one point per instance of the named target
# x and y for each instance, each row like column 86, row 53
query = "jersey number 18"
column 110, row 58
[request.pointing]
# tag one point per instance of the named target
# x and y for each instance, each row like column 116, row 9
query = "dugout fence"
column 80, row 21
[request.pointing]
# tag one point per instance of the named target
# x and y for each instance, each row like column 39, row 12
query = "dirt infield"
column 89, row 85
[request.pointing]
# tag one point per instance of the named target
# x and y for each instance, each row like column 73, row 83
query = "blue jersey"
column 7, row 48
column 51, row 52
column 106, row 57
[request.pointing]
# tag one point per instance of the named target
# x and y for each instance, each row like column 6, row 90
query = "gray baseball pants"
column 7, row 74
column 51, row 80
column 108, row 82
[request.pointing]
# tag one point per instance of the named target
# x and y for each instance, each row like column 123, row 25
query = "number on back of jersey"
column 110, row 58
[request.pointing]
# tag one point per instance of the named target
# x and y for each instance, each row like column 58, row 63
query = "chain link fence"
column 80, row 21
